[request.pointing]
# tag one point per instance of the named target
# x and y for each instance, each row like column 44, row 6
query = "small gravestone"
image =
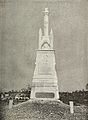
column 10, row 104
column 71, row 107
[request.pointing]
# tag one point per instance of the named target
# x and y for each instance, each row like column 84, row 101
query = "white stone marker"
column 71, row 107
column 45, row 81
column 10, row 104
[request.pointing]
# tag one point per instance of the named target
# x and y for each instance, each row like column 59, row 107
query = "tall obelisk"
column 45, row 82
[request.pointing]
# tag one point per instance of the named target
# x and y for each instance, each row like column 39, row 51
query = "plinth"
column 45, row 83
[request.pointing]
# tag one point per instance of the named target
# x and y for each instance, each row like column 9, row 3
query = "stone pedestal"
column 45, row 83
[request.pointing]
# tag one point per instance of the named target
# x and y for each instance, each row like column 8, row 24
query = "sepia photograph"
column 43, row 59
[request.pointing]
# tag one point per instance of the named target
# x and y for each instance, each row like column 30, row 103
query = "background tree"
column 87, row 86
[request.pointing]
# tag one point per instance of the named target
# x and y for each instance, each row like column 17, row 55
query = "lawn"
column 42, row 110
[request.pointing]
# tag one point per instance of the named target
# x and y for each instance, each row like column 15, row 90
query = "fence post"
column 10, row 104
column 71, row 107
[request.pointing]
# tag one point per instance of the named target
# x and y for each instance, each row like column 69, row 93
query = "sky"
column 19, row 27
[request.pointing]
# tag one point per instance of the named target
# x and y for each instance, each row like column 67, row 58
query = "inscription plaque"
column 44, row 95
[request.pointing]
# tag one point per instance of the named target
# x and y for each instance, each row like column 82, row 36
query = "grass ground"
column 43, row 110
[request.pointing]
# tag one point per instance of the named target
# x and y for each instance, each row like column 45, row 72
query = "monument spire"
column 46, row 21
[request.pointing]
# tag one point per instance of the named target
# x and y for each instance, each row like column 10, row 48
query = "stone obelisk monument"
column 45, row 82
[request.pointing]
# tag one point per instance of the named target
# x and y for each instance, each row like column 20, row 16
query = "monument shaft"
column 46, row 22
column 45, row 82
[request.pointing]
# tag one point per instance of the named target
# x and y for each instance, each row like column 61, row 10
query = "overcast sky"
column 21, row 20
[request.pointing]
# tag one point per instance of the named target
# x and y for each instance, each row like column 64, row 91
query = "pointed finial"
column 40, row 32
column 51, row 35
column 40, row 37
column 51, row 32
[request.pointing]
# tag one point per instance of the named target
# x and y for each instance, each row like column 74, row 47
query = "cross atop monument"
column 46, row 11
